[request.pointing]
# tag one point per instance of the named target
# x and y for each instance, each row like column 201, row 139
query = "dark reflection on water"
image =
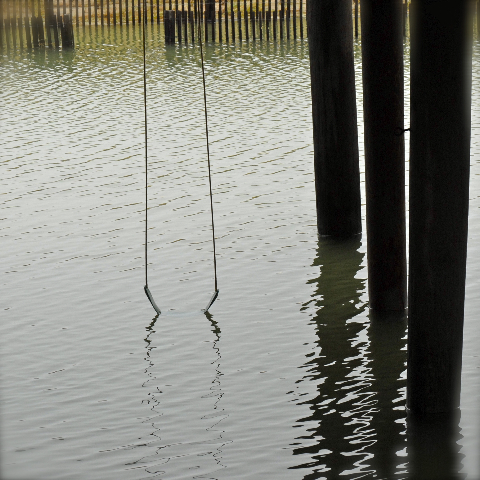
column 433, row 447
column 358, row 423
column 341, row 411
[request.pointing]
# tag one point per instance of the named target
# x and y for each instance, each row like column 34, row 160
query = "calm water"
column 289, row 377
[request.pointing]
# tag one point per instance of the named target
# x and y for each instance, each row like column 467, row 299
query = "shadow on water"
column 357, row 427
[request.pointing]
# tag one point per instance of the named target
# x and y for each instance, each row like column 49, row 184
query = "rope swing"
column 147, row 290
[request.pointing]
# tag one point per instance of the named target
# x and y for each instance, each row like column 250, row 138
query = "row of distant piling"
column 37, row 23
column 34, row 31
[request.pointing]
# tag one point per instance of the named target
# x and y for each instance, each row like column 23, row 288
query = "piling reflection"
column 434, row 447
column 387, row 354
column 358, row 425
column 338, row 425
column 357, row 420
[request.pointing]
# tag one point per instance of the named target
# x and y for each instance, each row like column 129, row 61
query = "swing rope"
column 146, row 147
column 208, row 146
column 147, row 291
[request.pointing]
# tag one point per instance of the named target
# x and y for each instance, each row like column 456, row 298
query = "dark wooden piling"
column 120, row 11
column 232, row 12
column 275, row 20
column 227, row 36
column 56, row 37
column 334, row 111
column 382, row 62
column 239, row 16
column 282, row 18
column 252, row 18
column 169, row 25
column 260, row 21
column 192, row 26
column 34, row 32
column 220, row 36
column 20, row 35
column 405, row 14
column 268, row 22
column 178, row 18
column 28, row 35
column 441, row 34
column 301, row 19
column 245, row 16
column 185, row 26
column 41, row 32
column 48, row 22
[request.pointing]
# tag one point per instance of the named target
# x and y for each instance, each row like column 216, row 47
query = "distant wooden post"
column 441, row 34
column 232, row 12
column 301, row 19
column 334, row 112
column 169, row 24
column 239, row 14
column 382, row 58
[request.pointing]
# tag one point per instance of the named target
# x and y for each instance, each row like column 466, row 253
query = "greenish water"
column 289, row 376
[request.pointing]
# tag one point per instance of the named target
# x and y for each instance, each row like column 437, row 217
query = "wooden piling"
column 275, row 15
column 405, row 12
column 260, row 22
column 282, row 18
column 192, row 26
column 334, row 111
column 220, row 37
column 34, row 32
column 28, row 35
column 245, row 17
column 48, row 22
column 382, row 67
column 169, row 25
column 239, row 15
column 441, row 34
column 232, row 12
column 301, row 19
column 56, row 38
column 252, row 18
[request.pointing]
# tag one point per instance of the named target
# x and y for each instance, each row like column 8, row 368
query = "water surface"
column 289, row 376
